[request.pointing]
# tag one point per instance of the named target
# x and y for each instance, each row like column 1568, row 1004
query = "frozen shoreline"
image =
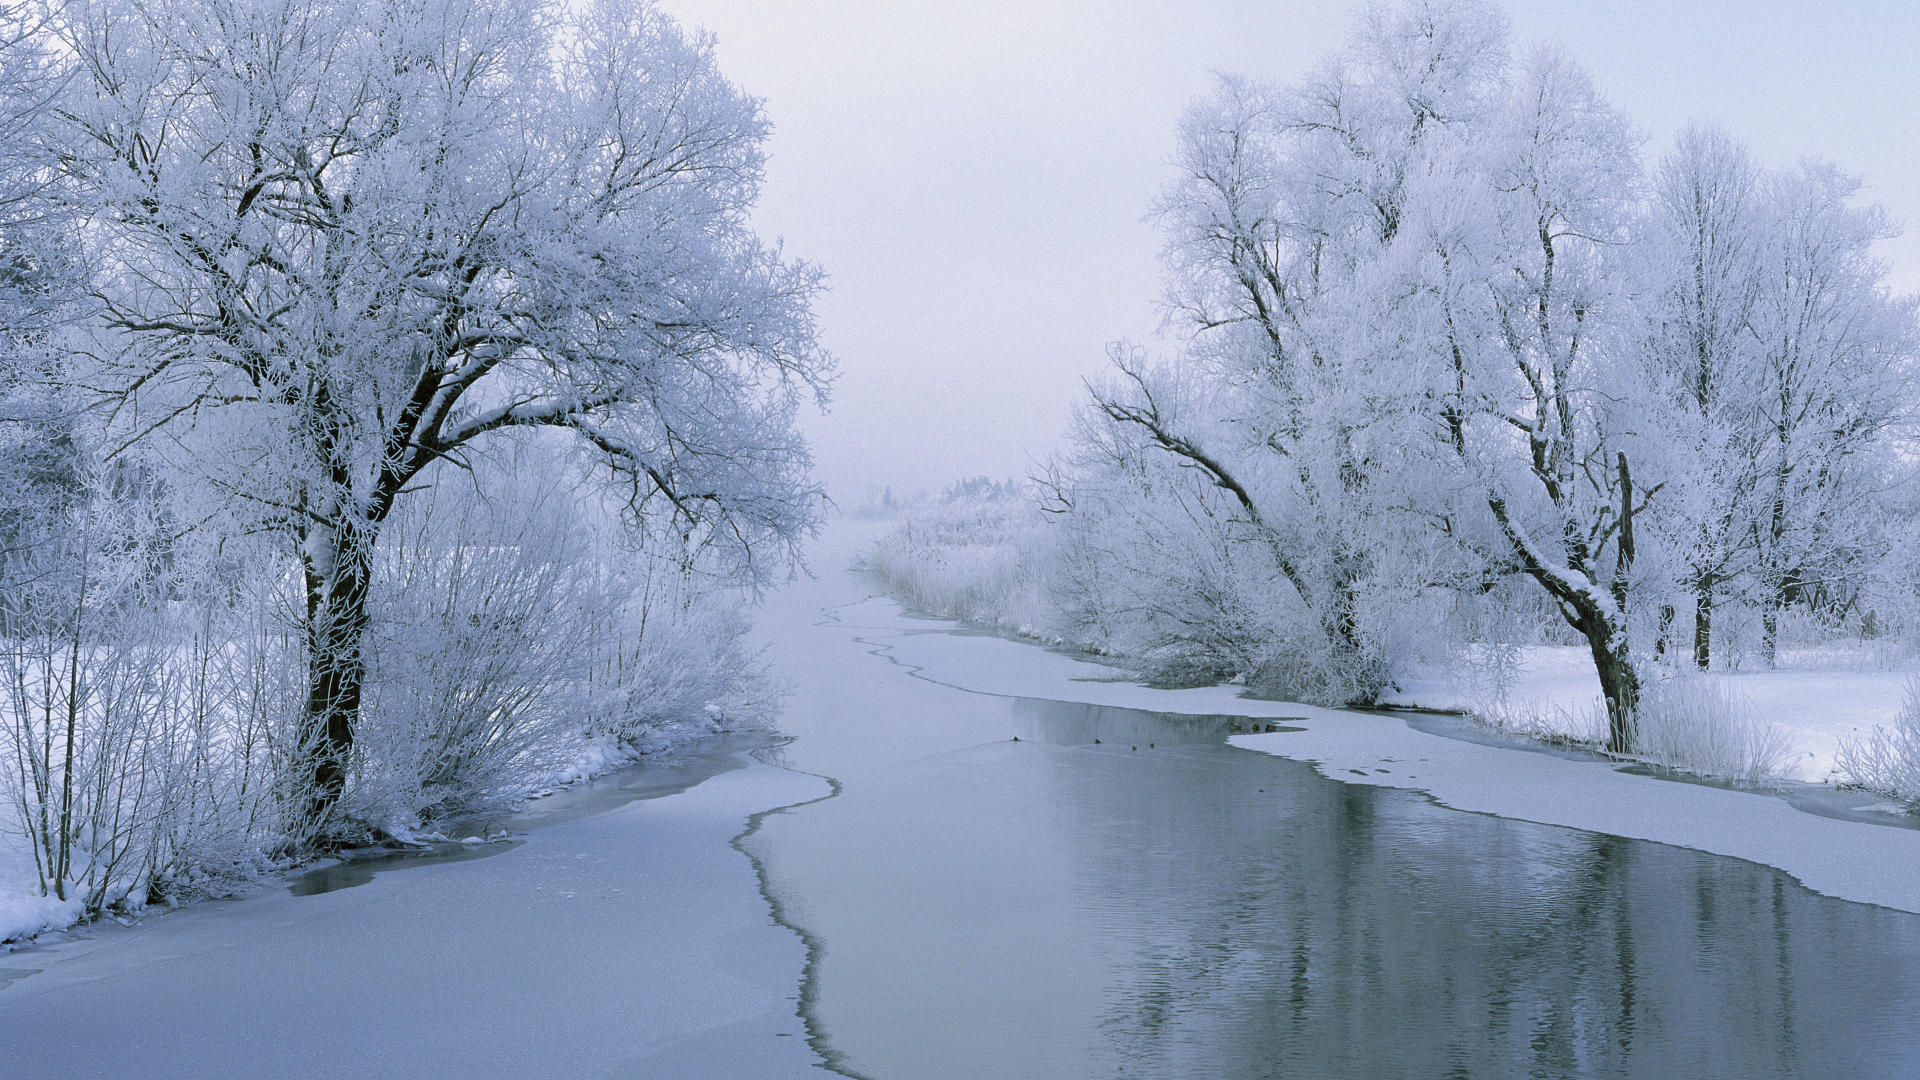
column 634, row 939
column 28, row 919
column 1850, row 860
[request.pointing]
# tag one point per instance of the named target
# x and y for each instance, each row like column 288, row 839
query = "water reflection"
column 1160, row 904
column 1273, row 922
column 1067, row 723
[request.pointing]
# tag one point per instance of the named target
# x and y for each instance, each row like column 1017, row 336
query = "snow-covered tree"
column 341, row 241
column 1440, row 334
column 1770, row 316
column 1286, row 205
column 1833, row 380
column 1702, row 248
column 1549, row 403
column 39, row 476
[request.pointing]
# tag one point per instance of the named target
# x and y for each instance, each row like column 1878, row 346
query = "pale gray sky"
column 973, row 174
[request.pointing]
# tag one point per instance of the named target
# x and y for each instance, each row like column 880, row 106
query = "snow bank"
column 23, row 911
column 634, row 942
column 1815, row 707
column 1854, row 861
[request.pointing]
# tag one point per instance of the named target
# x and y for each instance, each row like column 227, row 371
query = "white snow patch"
column 1815, row 707
column 23, row 911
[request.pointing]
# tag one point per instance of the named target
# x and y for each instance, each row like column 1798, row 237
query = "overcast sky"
column 973, row 174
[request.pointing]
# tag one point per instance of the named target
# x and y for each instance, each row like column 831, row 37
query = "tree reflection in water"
column 1326, row 928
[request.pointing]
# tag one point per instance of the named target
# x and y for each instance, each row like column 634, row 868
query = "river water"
column 1010, row 887
column 940, row 883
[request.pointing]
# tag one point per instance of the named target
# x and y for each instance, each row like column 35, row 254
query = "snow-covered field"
column 1816, row 701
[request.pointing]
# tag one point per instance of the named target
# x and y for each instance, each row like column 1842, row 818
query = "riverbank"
column 1018, row 879
column 594, row 767
column 1850, row 860
column 633, row 941
column 1002, row 881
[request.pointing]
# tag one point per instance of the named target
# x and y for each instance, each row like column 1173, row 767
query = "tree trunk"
column 1604, row 630
column 1619, row 684
column 1703, row 622
column 337, row 620
column 1619, row 679
column 1770, row 631
column 1586, row 608
column 1358, row 667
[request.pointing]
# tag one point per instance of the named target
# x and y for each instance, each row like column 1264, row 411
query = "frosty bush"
column 1699, row 726
column 681, row 666
column 235, row 717
column 474, row 661
column 1686, row 723
column 1887, row 759
column 511, row 633
column 151, row 689
column 1169, row 583
column 1557, row 724
column 977, row 554
column 143, row 709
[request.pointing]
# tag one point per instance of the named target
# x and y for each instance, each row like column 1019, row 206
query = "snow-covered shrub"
column 1887, row 759
column 980, row 554
column 1551, row 724
column 232, row 726
column 88, row 750
column 473, row 661
column 1686, row 723
column 1147, row 567
column 1161, row 582
column 1701, row 727
column 138, row 719
column 674, row 661
column 511, row 634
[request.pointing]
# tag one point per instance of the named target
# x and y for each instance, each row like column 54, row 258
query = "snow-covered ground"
column 1816, row 701
column 1852, row 860
column 23, row 911
column 631, row 943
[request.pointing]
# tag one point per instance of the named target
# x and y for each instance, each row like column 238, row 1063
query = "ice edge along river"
column 633, row 942
column 1849, row 860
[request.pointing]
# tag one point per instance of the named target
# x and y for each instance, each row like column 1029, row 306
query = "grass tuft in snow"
column 968, row 558
column 1556, row 725
column 1699, row 726
column 1887, row 759
column 1687, row 724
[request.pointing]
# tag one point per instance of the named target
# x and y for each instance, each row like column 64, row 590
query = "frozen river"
column 1000, row 887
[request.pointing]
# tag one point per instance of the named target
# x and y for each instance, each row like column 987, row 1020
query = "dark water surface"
column 995, row 894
